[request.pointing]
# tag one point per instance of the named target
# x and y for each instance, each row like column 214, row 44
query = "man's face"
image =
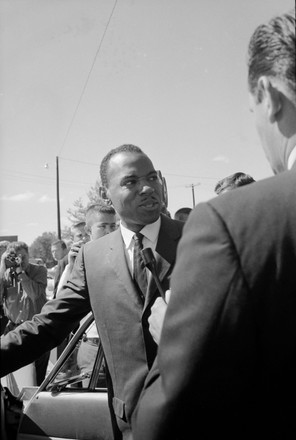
column 58, row 252
column 79, row 234
column 134, row 189
column 100, row 224
column 268, row 133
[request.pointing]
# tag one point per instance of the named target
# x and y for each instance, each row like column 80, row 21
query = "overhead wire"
column 87, row 78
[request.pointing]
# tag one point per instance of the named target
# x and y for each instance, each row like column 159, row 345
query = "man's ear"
column 272, row 97
column 103, row 194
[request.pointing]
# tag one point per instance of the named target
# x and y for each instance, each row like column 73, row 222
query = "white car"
column 72, row 402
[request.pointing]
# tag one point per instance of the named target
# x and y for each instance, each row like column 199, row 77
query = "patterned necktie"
column 140, row 275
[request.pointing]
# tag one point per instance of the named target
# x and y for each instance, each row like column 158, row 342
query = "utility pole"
column 192, row 185
column 58, row 198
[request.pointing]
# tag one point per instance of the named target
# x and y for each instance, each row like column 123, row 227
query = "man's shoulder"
column 273, row 191
column 255, row 209
column 169, row 224
column 103, row 242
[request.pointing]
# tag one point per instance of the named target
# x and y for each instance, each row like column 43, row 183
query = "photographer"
column 23, row 292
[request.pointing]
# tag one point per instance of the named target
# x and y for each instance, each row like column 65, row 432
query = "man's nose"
column 146, row 187
column 108, row 229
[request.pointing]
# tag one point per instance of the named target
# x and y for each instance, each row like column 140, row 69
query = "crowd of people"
column 215, row 357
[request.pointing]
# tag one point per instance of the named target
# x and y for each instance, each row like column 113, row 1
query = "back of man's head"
column 182, row 214
column 99, row 207
column 272, row 53
column 233, row 181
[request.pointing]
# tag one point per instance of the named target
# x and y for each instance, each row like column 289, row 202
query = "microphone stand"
column 150, row 263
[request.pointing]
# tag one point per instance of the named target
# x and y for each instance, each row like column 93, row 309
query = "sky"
column 80, row 77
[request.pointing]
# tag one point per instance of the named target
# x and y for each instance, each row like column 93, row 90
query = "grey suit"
column 101, row 281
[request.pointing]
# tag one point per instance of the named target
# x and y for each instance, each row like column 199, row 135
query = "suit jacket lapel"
column 168, row 238
column 120, row 267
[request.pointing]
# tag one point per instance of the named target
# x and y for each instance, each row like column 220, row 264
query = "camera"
column 13, row 261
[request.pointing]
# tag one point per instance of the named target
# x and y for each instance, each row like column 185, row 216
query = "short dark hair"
column 100, row 207
column 271, row 52
column 105, row 162
column 180, row 213
column 78, row 225
column 61, row 242
column 233, row 181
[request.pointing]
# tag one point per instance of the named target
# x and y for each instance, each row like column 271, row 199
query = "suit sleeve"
column 204, row 281
column 49, row 328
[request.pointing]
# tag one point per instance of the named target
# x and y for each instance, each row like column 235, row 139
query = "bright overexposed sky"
column 79, row 77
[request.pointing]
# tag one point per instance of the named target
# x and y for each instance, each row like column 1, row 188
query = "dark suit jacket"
column 101, row 281
column 227, row 355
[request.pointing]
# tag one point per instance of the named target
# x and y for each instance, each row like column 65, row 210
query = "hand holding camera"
column 14, row 262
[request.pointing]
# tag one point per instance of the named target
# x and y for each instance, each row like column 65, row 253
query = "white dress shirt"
column 292, row 158
column 150, row 233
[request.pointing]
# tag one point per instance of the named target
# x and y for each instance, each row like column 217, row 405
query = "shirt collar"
column 292, row 158
column 150, row 232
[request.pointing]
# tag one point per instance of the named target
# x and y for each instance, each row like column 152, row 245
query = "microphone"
column 150, row 263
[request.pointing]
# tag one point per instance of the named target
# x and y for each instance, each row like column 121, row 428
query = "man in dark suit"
column 102, row 280
column 226, row 363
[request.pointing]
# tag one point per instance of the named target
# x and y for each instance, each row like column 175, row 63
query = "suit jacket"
column 101, row 281
column 226, row 363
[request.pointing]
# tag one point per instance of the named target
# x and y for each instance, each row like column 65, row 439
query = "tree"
column 93, row 194
column 41, row 248
column 77, row 214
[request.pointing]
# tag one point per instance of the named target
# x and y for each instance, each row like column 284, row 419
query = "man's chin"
column 150, row 216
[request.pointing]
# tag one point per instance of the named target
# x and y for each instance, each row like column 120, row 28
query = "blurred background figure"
column 233, row 181
column 3, row 246
column 100, row 219
column 3, row 318
column 182, row 214
column 79, row 233
column 59, row 252
column 79, row 237
column 23, row 286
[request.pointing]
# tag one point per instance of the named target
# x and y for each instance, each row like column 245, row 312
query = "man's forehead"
column 131, row 161
column 102, row 217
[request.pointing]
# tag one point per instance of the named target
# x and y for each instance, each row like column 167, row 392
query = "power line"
column 167, row 174
column 192, row 177
column 80, row 161
column 44, row 180
column 87, row 78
